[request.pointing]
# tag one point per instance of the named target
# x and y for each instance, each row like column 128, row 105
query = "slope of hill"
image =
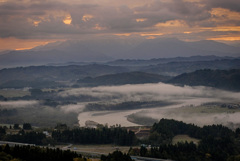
column 24, row 75
column 176, row 68
column 123, row 78
column 64, row 52
column 167, row 47
column 99, row 74
column 222, row 79
column 142, row 62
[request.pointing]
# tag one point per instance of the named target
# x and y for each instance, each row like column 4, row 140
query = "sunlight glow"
column 152, row 34
column 225, row 38
column 123, row 34
column 23, row 44
column 172, row 23
column 24, row 48
column 98, row 27
column 224, row 15
column 68, row 20
column 87, row 17
column 36, row 23
column 141, row 19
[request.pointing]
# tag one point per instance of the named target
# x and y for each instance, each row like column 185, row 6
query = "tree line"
column 104, row 135
column 32, row 153
column 101, row 135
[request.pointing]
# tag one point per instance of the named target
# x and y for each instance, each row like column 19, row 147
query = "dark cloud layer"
column 228, row 4
column 44, row 19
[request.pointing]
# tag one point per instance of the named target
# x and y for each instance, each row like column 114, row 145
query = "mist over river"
column 181, row 97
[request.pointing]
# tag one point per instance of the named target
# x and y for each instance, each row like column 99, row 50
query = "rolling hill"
column 33, row 75
column 123, row 78
column 222, row 79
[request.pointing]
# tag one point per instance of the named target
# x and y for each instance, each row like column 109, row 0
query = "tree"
column 27, row 126
column 16, row 126
column 116, row 156
column 143, row 151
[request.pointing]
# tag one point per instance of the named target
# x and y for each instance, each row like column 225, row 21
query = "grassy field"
column 103, row 149
column 9, row 93
column 183, row 138
column 95, row 151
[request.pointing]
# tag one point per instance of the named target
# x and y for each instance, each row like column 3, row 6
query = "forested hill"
column 58, row 73
column 222, row 79
column 124, row 78
column 217, row 143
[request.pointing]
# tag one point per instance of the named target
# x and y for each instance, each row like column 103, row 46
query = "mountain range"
column 107, row 50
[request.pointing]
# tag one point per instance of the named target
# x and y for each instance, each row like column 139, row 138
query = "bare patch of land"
column 183, row 139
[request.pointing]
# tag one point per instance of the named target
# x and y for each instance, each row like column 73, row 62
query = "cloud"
column 17, row 104
column 152, row 92
column 44, row 19
column 232, row 5
column 72, row 108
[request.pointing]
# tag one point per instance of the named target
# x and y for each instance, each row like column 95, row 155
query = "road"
column 137, row 158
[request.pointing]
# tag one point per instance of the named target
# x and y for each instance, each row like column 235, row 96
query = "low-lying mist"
column 128, row 105
column 181, row 96
column 152, row 92
column 17, row 104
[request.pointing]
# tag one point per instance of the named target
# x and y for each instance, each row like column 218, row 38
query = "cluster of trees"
column 62, row 134
column 180, row 152
column 2, row 132
column 29, row 137
column 102, row 135
column 218, row 143
column 30, row 153
column 116, row 156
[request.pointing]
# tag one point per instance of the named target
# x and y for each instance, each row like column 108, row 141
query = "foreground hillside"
column 222, row 79
column 214, row 142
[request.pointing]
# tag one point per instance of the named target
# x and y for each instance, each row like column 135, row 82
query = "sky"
column 25, row 24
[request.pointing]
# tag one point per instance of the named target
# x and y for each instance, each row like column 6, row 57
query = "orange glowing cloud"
column 151, row 34
column 225, row 38
column 141, row 19
column 221, row 15
column 172, row 23
column 68, row 20
column 19, row 44
column 87, row 17
column 123, row 34
column 226, row 28
column 98, row 27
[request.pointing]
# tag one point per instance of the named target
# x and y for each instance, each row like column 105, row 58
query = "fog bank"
column 184, row 96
